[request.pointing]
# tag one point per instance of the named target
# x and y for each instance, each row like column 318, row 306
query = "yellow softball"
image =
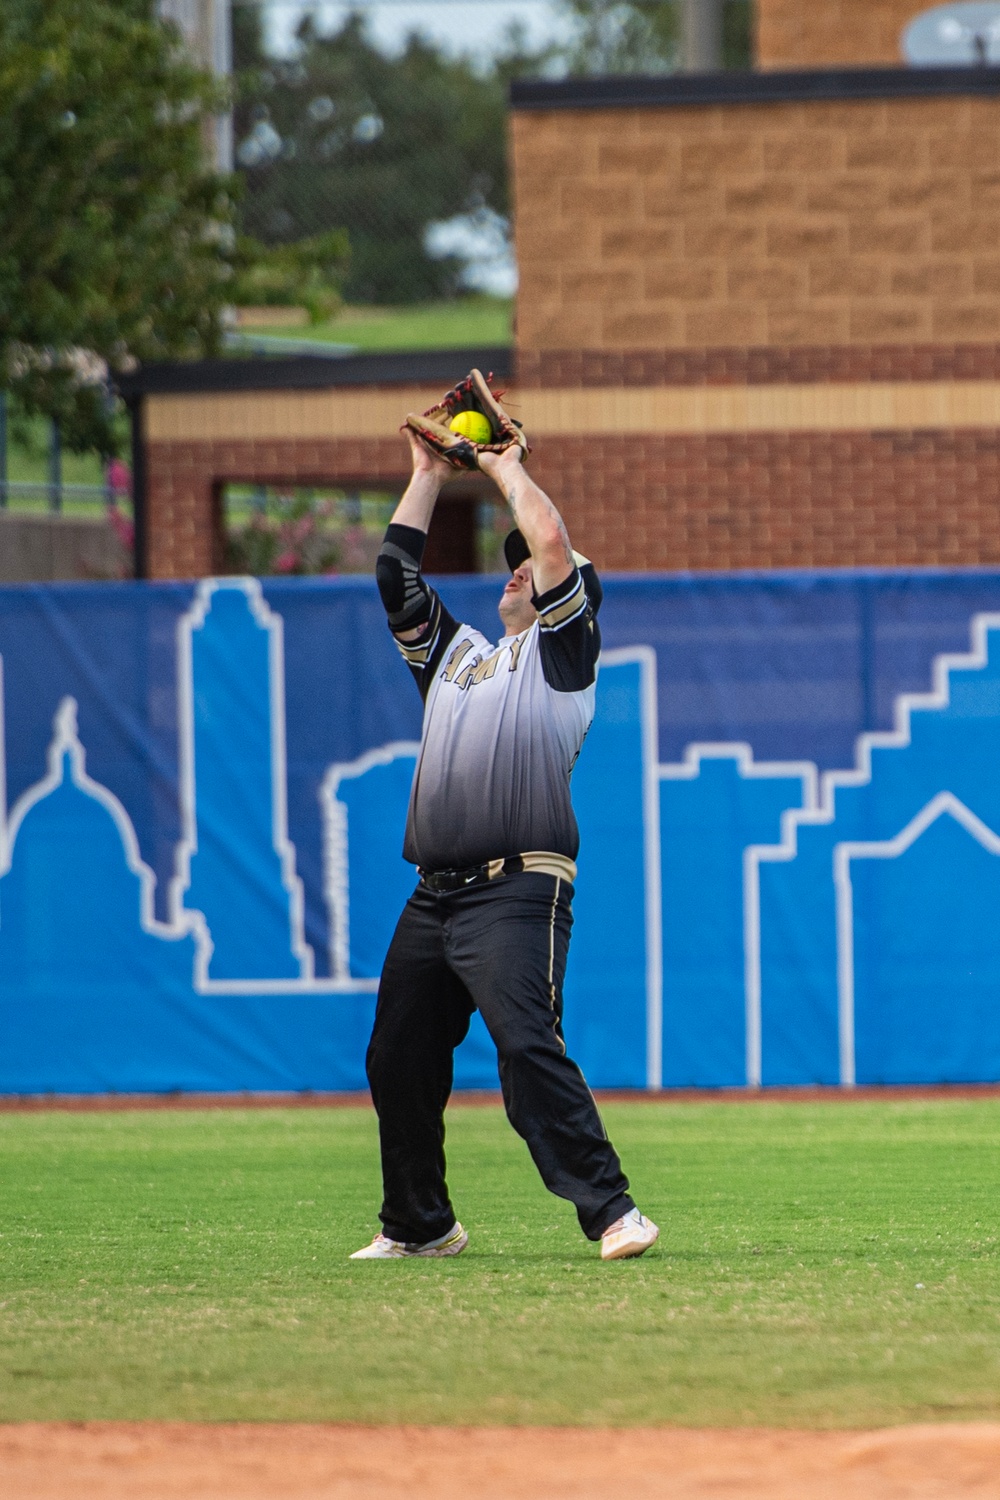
column 473, row 425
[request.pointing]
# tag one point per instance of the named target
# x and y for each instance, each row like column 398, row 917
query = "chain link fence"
column 388, row 121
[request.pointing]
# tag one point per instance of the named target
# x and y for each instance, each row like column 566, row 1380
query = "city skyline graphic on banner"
column 739, row 922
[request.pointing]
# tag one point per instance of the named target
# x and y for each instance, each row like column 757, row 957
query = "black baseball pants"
column 501, row 948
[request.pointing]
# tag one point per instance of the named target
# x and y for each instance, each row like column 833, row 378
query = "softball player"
column 492, row 831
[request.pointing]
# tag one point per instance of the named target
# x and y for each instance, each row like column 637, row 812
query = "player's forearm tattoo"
column 560, row 523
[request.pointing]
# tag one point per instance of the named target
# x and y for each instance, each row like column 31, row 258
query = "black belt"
column 460, row 880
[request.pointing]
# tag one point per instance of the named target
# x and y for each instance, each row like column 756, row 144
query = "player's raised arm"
column 536, row 517
column 416, row 506
column 417, row 618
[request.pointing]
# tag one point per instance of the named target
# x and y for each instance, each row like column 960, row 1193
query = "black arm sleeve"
column 407, row 598
column 411, row 603
column 569, row 640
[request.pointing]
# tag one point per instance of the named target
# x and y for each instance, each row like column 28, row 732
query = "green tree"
column 622, row 36
column 114, row 235
column 737, row 34
column 644, row 36
column 307, row 273
column 344, row 136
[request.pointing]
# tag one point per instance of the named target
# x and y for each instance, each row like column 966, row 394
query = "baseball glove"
column 472, row 394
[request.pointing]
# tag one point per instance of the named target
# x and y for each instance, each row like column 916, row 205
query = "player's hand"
column 496, row 465
column 426, row 462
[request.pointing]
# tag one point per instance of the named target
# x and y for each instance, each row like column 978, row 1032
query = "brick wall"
column 827, row 223
column 830, row 33
column 756, row 333
column 775, row 500
column 799, row 365
column 651, row 501
column 184, row 518
column 185, row 481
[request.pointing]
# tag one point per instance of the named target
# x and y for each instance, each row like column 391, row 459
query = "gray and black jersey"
column 503, row 725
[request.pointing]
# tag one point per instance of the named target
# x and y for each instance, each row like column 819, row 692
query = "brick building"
column 758, row 323
column 831, row 33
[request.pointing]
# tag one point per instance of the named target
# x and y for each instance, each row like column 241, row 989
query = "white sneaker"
column 383, row 1248
column 629, row 1235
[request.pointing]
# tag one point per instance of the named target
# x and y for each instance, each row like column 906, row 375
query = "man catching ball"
column 492, row 831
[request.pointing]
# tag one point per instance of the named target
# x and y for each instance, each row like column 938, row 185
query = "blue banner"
column 788, row 804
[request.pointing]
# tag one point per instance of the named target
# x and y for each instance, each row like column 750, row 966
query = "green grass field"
column 467, row 322
column 821, row 1264
column 27, row 463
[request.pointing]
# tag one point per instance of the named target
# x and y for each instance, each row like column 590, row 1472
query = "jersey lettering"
column 455, row 660
column 486, row 669
column 466, row 675
column 480, row 668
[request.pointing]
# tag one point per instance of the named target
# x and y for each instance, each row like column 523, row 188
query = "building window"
column 295, row 530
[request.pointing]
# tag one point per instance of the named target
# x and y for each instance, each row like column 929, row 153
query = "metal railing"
column 54, row 491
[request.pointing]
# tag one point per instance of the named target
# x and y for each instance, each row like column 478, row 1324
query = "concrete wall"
column 44, row 548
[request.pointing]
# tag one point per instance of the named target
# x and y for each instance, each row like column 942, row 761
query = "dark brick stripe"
column 577, row 368
column 777, row 500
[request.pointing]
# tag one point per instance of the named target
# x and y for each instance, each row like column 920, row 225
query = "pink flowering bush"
column 296, row 541
column 121, row 525
column 119, row 477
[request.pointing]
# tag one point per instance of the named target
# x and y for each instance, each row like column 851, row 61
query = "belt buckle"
column 443, row 881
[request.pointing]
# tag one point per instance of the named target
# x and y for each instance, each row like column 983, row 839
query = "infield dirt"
column 243, row 1461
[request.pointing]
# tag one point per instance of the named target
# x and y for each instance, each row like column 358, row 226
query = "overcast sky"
column 474, row 27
